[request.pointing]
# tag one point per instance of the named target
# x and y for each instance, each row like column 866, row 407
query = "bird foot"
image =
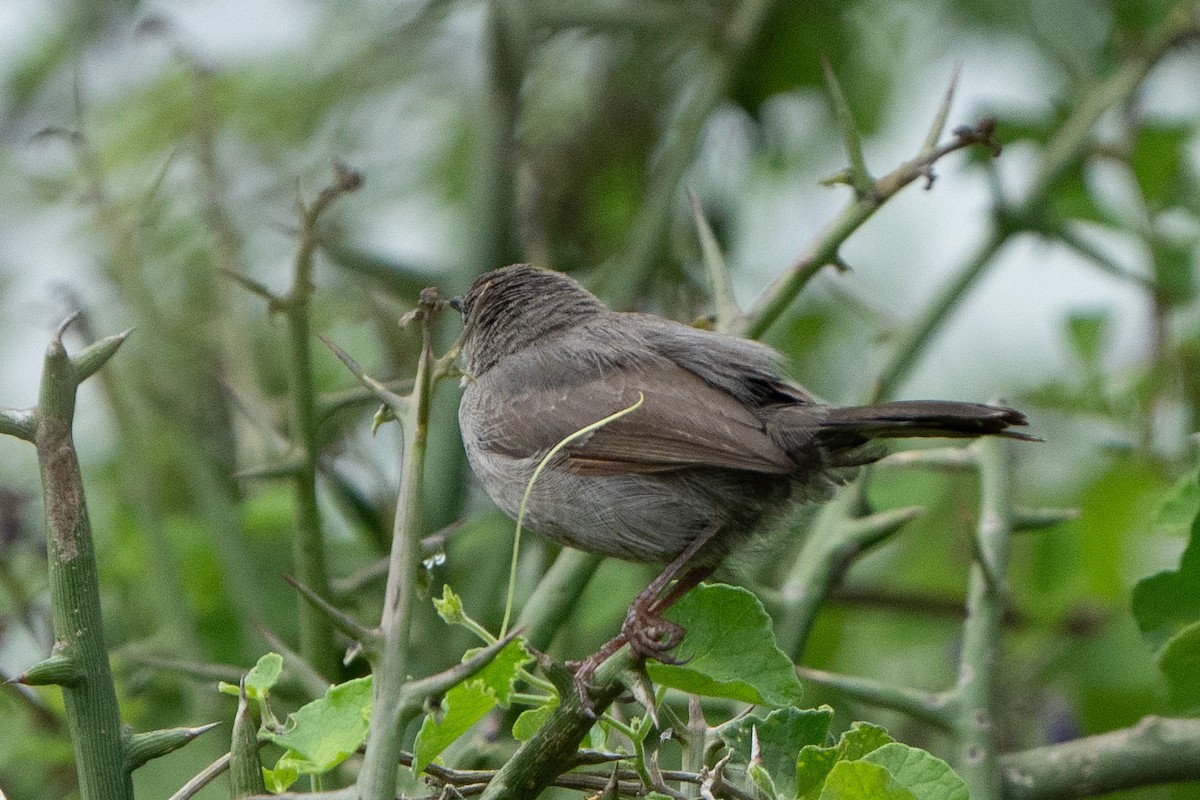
column 648, row 634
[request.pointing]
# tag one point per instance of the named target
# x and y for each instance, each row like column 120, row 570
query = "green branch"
column 974, row 725
column 556, row 595
column 18, row 423
column 1156, row 750
column 316, row 632
column 389, row 710
column 507, row 45
column 553, row 749
column 91, row 700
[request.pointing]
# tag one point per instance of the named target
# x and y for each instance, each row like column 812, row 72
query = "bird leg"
column 645, row 630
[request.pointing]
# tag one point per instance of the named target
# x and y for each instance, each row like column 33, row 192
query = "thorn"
column 860, row 177
column 274, row 301
column 340, row 619
column 392, row 401
column 840, row 178
column 62, row 328
column 643, row 692
column 202, row 729
column 714, row 262
column 939, row 119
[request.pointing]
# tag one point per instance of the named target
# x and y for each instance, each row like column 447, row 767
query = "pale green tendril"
column 512, row 570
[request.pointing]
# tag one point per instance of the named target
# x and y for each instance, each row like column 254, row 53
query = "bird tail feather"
column 910, row 418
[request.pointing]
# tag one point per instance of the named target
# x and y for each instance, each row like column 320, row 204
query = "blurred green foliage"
column 149, row 161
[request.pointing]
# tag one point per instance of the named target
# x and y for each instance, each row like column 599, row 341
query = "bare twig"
column 868, row 200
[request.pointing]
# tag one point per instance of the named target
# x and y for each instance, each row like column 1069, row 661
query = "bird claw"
column 648, row 635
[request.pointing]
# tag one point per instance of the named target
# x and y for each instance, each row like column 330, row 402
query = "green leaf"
column 463, row 706
column 531, row 720
column 1180, row 507
column 282, row 776
column 1073, row 199
column 263, row 676
column 761, row 779
column 923, row 774
column 861, row 780
column 729, row 650
column 500, row 675
column 321, row 734
column 1160, row 164
column 1166, row 603
column 1180, row 663
column 815, row 763
column 450, row 607
column 470, row 701
column 781, row 735
column 1088, row 332
column 1173, row 270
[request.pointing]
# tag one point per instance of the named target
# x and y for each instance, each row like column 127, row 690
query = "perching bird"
column 717, row 445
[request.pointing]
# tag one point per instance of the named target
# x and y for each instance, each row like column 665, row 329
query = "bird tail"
column 855, row 425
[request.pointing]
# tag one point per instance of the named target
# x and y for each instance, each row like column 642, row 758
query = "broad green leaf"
column 780, row 736
column 1180, row 663
column 259, row 680
column 1166, row 603
column 1114, row 504
column 729, row 650
column 469, row 702
column 860, row 780
column 321, row 734
column 531, row 720
column 814, row 763
column 923, row 774
column 499, row 676
column 463, row 706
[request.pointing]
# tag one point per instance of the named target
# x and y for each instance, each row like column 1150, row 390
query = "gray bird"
column 718, row 447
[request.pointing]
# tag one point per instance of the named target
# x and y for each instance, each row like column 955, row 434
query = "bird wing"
column 683, row 422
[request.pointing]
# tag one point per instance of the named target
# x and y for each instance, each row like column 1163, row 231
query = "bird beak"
column 457, row 304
